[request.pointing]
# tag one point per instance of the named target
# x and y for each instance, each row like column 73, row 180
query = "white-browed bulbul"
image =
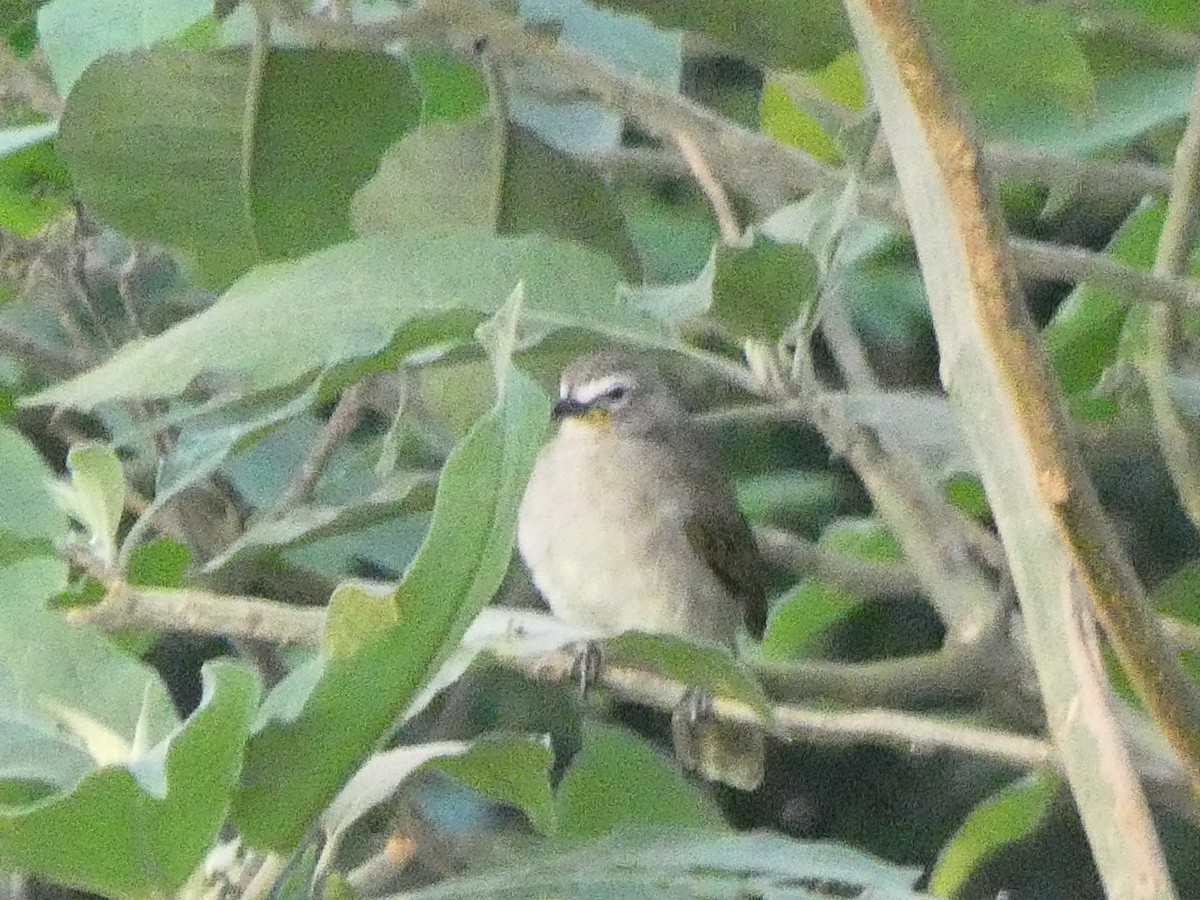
column 629, row 524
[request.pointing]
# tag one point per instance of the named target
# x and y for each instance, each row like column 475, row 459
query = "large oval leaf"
column 163, row 146
column 282, row 321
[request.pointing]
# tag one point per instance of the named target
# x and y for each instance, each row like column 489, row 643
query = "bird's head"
column 617, row 392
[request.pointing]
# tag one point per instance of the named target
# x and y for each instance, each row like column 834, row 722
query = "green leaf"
column 140, row 829
column 803, row 615
column 95, row 495
column 681, row 864
column 282, row 321
column 866, row 539
column 68, row 682
column 618, row 781
column 967, row 495
column 450, row 90
column 74, row 33
column 359, row 615
column 781, row 118
column 296, row 764
column 701, row 666
column 775, row 33
column 1182, row 15
column 788, row 495
column 547, row 191
column 1010, row 814
column 35, row 188
column 161, row 146
column 785, row 116
column 447, row 177
column 1084, row 337
column 1012, row 60
column 1179, row 593
column 1135, row 91
column 31, row 522
column 799, row 620
column 762, row 291
column 509, row 769
column 437, row 179
column 161, row 562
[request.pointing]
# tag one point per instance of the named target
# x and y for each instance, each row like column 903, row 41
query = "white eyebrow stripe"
column 590, row 390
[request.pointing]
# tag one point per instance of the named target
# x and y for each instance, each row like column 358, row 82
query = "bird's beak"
column 568, row 407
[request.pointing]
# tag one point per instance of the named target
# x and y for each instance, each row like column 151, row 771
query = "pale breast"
column 603, row 531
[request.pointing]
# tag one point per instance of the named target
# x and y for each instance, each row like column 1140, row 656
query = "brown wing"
column 724, row 541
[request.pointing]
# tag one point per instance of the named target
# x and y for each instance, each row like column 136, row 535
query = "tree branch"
column 906, row 731
column 1165, row 327
column 861, row 577
column 338, row 428
column 1063, row 555
column 198, row 612
column 767, row 173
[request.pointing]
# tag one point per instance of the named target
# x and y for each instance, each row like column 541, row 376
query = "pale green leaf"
column 109, row 835
column 74, row 33
column 335, row 715
column 282, row 321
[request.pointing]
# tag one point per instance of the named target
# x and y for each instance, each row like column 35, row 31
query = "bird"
column 628, row 523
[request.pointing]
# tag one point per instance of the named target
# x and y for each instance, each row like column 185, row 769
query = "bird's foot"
column 587, row 666
column 691, row 720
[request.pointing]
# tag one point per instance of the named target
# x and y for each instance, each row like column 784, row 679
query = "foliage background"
column 284, row 292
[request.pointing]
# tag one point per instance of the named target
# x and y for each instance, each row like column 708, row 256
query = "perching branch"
column 192, row 611
column 907, row 731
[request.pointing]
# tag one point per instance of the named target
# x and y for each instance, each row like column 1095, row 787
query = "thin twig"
column 341, row 424
column 731, row 231
column 861, row 577
column 260, row 52
column 955, row 674
column 1127, row 181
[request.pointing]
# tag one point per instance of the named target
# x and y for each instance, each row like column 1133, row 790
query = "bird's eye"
column 617, row 392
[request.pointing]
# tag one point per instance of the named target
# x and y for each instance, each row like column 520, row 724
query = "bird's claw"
column 587, row 666
column 695, row 709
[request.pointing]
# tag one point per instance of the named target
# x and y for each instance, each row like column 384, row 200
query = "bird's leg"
column 587, row 665
column 691, row 720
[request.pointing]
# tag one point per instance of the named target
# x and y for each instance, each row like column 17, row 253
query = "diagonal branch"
column 1064, row 558
column 1165, row 326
